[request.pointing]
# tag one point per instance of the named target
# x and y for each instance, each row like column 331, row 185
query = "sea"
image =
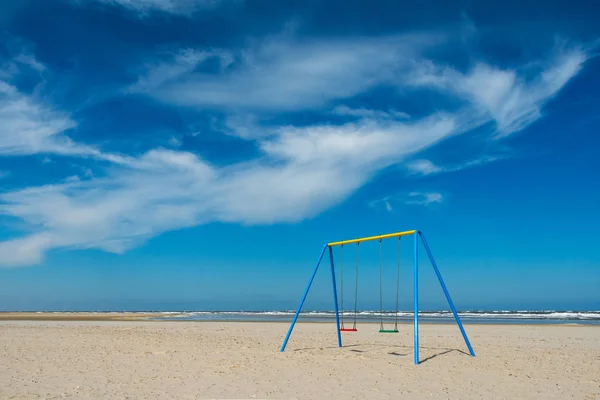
column 439, row 317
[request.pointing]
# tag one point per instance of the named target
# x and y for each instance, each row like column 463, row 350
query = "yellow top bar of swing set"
column 366, row 239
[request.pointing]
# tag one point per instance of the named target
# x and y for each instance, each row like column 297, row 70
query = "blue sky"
column 161, row 154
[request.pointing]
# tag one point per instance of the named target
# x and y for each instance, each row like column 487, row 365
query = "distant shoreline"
column 74, row 316
column 185, row 317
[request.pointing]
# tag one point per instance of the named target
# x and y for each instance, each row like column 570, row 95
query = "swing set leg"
column 335, row 299
column 446, row 293
column 312, row 278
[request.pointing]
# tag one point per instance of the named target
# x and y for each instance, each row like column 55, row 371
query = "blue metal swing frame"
column 417, row 235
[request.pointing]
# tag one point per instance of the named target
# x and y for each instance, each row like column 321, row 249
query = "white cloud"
column 311, row 168
column 420, row 198
column 388, row 207
column 510, row 99
column 175, row 142
column 423, row 167
column 13, row 66
column 25, row 251
column 425, row 199
column 31, row 61
column 281, row 74
column 368, row 142
column 367, row 113
column 426, row 167
column 301, row 170
column 180, row 64
column 30, row 126
column 245, row 126
column 385, row 201
column 143, row 8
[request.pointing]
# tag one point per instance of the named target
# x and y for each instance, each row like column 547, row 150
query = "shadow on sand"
column 405, row 350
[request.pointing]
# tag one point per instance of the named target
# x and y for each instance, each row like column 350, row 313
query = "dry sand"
column 155, row 360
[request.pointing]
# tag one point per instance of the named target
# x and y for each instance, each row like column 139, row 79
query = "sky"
column 197, row 154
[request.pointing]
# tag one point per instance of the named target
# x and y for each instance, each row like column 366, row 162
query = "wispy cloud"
column 174, row 141
column 511, row 99
column 30, row 126
column 179, row 64
column 12, row 67
column 426, row 167
column 391, row 202
column 30, row 60
column 281, row 73
column 367, row 113
column 144, row 8
column 424, row 198
column 385, row 202
column 313, row 167
column 25, row 251
column 423, row 167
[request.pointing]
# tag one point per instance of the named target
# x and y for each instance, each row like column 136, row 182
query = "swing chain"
column 382, row 329
column 342, row 283
column 397, row 285
column 380, row 284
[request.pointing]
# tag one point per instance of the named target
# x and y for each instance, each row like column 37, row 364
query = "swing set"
column 340, row 320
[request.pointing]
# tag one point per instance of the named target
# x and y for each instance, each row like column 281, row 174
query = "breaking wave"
column 502, row 316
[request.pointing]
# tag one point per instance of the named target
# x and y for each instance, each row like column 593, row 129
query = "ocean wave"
column 479, row 314
column 366, row 315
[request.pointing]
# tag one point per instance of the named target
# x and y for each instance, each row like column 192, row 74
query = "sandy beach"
column 154, row 360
